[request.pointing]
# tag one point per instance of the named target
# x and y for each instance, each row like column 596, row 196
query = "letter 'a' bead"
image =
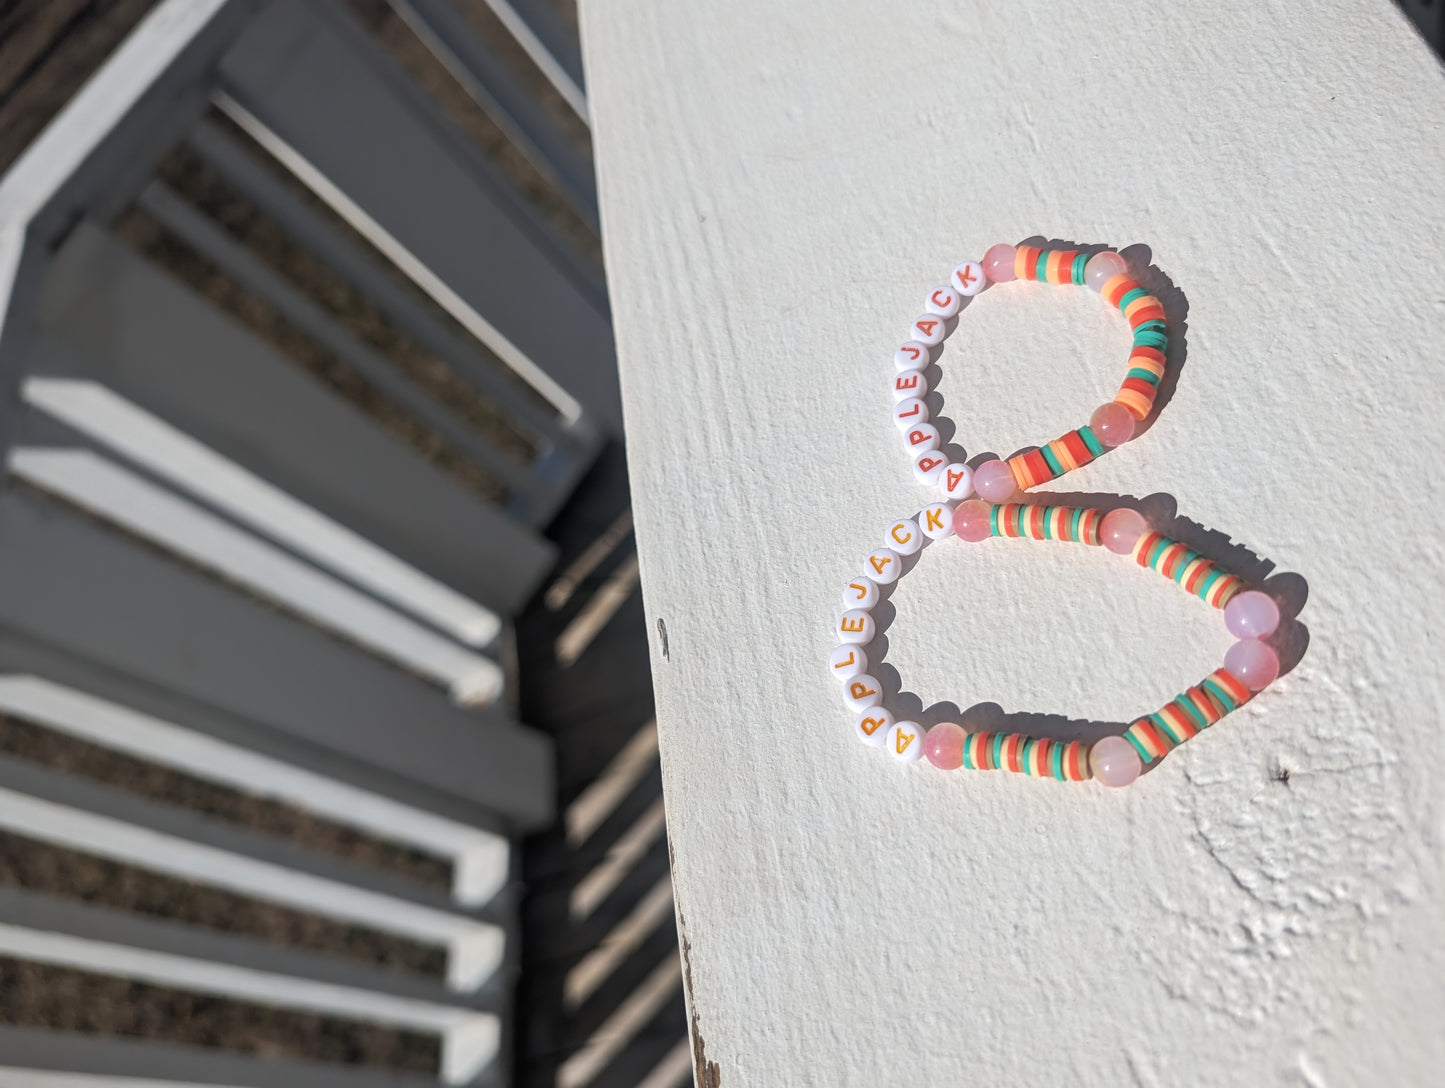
column 872, row 726
column 856, row 627
column 905, row 742
column 922, row 437
column 911, row 356
column 846, row 661
column 861, row 592
column 944, row 301
column 909, row 413
column 909, row 385
column 929, row 329
column 936, row 520
column 956, row 481
column 861, row 692
column 904, row 537
column 884, row 566
column 928, row 467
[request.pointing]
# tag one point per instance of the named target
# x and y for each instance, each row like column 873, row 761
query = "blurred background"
column 326, row 740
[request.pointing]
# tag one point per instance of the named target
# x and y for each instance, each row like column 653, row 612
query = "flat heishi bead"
column 968, row 279
column 909, row 384
column 906, row 413
column 847, row 661
column 862, row 692
column 904, row 537
column 856, row 627
column 944, row 301
column 884, row 566
column 911, row 356
column 936, row 520
column 928, row 467
column 923, row 437
column 905, row 741
column 956, row 481
column 929, row 329
column 872, row 726
column 861, row 592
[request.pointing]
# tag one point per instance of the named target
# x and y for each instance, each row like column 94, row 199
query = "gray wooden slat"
column 99, row 1056
column 312, row 78
column 559, row 39
column 51, row 914
column 76, row 587
column 109, row 315
column 485, row 77
column 202, row 235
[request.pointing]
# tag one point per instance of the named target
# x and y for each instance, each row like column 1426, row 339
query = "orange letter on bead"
column 870, row 725
column 917, row 438
column 862, row 590
column 928, row 464
column 907, row 536
column 901, row 383
column 926, row 325
column 851, row 625
column 933, row 298
column 911, row 412
column 844, row 664
column 860, row 690
column 953, row 477
column 904, row 740
column 933, row 519
column 880, row 563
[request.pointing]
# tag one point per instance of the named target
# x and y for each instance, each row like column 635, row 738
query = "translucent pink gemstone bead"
column 1251, row 614
column 1252, row 663
column 994, row 481
column 943, row 745
column 1121, row 529
column 1114, row 761
column 1102, row 267
column 971, row 521
column 1112, row 424
column 998, row 263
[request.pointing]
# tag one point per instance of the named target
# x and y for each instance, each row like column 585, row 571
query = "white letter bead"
column 861, row 592
column 856, row 627
column 944, row 302
column 911, row 356
column 847, row 661
column 923, row 437
column 928, row 467
column 936, row 520
column 967, row 279
column 908, row 412
column 904, row 537
column 905, row 741
column 861, row 692
column 883, row 567
column 872, row 726
column 956, row 480
column 909, row 383
column 929, row 329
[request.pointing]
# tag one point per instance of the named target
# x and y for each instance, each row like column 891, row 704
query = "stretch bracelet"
column 1110, row 425
column 1249, row 666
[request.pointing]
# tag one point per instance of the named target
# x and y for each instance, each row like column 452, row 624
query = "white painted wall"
column 781, row 185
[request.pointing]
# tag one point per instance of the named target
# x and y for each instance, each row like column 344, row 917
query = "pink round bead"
column 994, row 481
column 998, row 263
column 971, row 521
column 1114, row 761
column 1121, row 529
column 1103, row 267
column 1112, row 424
column 1251, row 614
column 943, row 745
column 1252, row 663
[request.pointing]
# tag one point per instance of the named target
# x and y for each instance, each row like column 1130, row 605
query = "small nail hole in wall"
column 662, row 637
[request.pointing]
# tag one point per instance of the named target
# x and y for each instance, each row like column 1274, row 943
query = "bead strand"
column 1189, row 569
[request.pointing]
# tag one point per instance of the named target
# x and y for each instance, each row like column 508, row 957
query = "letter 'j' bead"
column 847, row 661
column 904, row 537
column 911, row 356
column 862, row 692
column 944, row 301
column 872, row 726
column 998, row 263
column 1251, row 614
column 856, row 627
column 861, row 592
column 905, row 742
column 928, row 467
column 1115, row 762
column 994, row 481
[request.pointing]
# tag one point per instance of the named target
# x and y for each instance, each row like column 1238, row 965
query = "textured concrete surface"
column 781, row 185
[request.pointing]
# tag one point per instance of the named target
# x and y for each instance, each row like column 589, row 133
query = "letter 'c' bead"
column 904, row 537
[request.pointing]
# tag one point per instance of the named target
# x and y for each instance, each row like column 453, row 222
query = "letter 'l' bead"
column 884, row 566
column 909, row 413
column 846, row 662
column 929, row 329
column 904, row 537
column 856, row 627
column 936, row 520
column 861, row 692
column 861, row 592
column 911, row 356
column 928, row 467
column 905, row 742
column 909, row 385
column 872, row 726
column 944, row 301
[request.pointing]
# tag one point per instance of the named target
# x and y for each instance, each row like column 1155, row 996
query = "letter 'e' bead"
column 856, row 627
column 909, row 385
column 905, row 742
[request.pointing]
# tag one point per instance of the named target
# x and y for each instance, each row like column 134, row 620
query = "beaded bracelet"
column 1249, row 666
column 1110, row 425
